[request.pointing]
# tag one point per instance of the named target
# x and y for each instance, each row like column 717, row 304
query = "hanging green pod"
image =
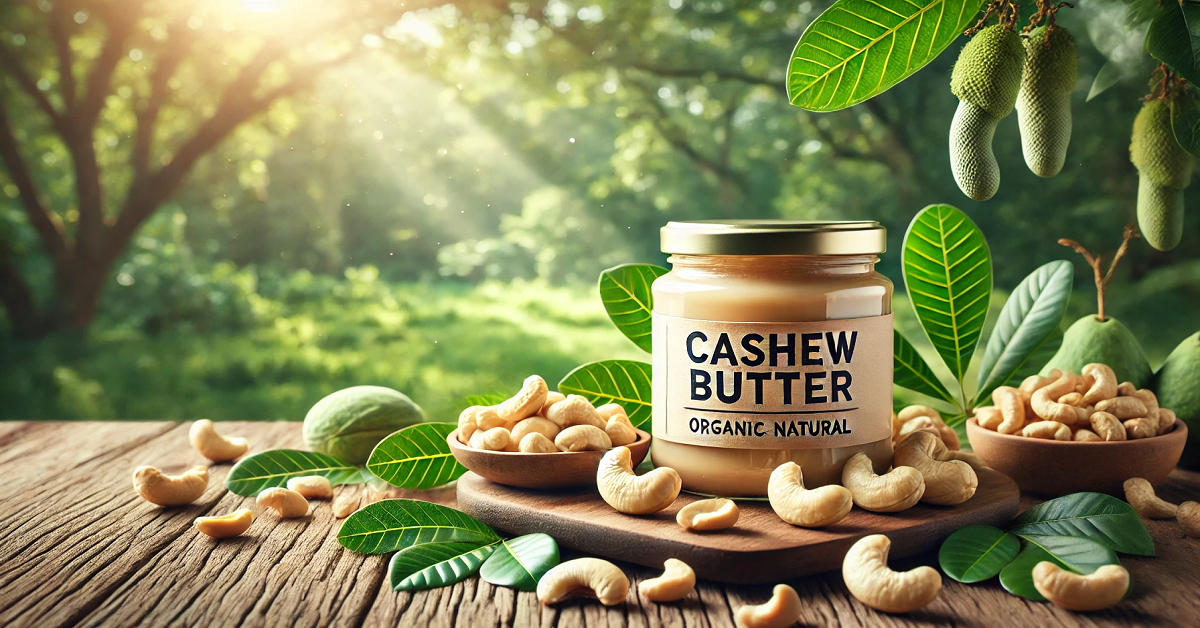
column 1164, row 170
column 1044, row 102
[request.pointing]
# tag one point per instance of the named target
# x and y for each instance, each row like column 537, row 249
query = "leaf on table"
column 1174, row 37
column 1028, row 320
column 910, row 370
column 1077, row 554
column 433, row 565
column 625, row 293
column 626, row 382
column 1101, row 518
column 857, row 49
column 274, row 467
column 394, row 524
column 977, row 553
column 519, row 563
column 948, row 273
column 416, row 457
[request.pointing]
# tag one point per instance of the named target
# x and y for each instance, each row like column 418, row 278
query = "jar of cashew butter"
column 772, row 343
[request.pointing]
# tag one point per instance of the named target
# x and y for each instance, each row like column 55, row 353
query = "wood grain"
column 78, row 547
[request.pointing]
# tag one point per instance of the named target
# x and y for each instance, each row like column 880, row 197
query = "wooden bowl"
column 555, row 470
column 1053, row 468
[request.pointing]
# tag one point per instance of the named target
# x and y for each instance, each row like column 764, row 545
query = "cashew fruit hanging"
column 986, row 79
column 1164, row 170
column 1044, row 102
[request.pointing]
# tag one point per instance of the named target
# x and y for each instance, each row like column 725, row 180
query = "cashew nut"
column 1166, row 420
column 1072, row 399
column 1049, row 430
column 584, row 577
column 1103, row 386
column 284, row 501
column 1100, row 589
column 630, row 493
column 708, row 514
column 1140, row 494
column 1107, row 426
column 781, row 611
column 1032, row 383
column 552, row 398
column 677, row 581
column 347, row 502
column 968, row 457
column 620, row 430
column 526, row 403
column 1045, row 400
column 212, row 445
column 537, row 443
column 574, row 410
column 949, row 437
column 1150, row 400
column 225, row 526
column 1126, row 389
column 1123, row 407
column 947, row 481
column 467, row 425
column 898, row 489
column 1140, row 428
column 538, row 424
column 1189, row 519
column 609, row 410
column 870, row 580
column 918, row 424
column 911, row 412
column 1085, row 435
column 814, row 508
column 159, row 488
column 311, row 486
column 583, row 438
column 490, row 418
column 988, row 417
column 1012, row 407
column 494, row 439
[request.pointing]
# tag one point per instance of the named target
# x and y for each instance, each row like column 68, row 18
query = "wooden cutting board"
column 761, row 548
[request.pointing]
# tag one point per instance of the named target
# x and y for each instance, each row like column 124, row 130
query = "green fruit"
column 1160, row 214
column 349, row 423
column 1044, row 102
column 1177, row 385
column 1164, row 170
column 1108, row 342
column 971, row 159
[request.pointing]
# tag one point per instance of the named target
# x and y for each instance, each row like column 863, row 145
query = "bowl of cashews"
column 1069, row 432
column 539, row 438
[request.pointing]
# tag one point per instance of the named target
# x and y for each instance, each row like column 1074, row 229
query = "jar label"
column 811, row 385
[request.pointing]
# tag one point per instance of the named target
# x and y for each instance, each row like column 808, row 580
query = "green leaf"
column 977, row 553
column 1080, row 555
column 394, row 524
column 1174, row 37
column 1185, row 121
column 519, row 563
column 433, row 565
column 948, row 273
column 274, row 467
column 489, row 399
column 1108, row 76
column 625, row 293
column 910, row 370
column 1029, row 318
column 1104, row 519
column 857, row 49
column 626, row 382
column 416, row 457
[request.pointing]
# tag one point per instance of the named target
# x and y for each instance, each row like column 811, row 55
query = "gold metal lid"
column 774, row 237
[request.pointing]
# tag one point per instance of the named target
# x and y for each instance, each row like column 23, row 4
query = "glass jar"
column 772, row 343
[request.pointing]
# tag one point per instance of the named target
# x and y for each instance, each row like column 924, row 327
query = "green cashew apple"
column 349, row 423
column 1044, row 102
column 1107, row 341
column 1164, row 170
column 1177, row 384
column 986, row 79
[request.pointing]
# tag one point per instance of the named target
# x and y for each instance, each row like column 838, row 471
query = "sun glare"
column 263, row 6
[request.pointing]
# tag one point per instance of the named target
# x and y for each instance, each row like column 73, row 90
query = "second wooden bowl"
column 554, row 470
column 1053, row 468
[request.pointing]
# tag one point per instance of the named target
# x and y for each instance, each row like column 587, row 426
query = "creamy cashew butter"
column 772, row 343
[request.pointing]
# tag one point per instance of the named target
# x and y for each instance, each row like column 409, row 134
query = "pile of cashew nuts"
column 1085, row 407
column 167, row 490
column 540, row 421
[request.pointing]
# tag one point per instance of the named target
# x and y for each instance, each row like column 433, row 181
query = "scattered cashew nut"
column 1140, row 494
column 1100, row 589
column 584, row 577
column 871, row 582
column 677, row 581
column 1189, row 519
column 311, row 486
column 630, row 493
column 707, row 515
column 284, row 501
column 233, row 524
column 1012, row 407
column 781, row 611
column 1048, row 430
column 1104, row 383
column 947, row 481
column 212, row 445
column 159, row 488
column 537, row 443
column 898, row 489
column 527, row 402
column 813, row 508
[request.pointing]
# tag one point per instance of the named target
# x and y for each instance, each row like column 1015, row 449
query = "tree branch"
column 724, row 75
column 179, row 42
column 61, row 25
column 47, row 225
column 12, row 66
column 120, row 23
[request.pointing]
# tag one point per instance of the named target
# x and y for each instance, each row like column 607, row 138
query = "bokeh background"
column 230, row 208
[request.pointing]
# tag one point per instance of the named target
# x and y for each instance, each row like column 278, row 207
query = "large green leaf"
column 274, row 467
column 1185, row 121
column 433, row 565
column 948, row 273
column 1104, row 519
column 519, row 563
column 394, row 524
column 625, row 293
column 1076, row 554
column 910, row 370
column 977, row 553
column 416, row 457
column 1174, row 37
column 626, row 382
column 857, row 49
column 1029, row 318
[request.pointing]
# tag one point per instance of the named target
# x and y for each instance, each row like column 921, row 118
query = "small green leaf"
column 416, row 457
column 1080, row 555
column 1101, row 518
column 394, row 524
column 909, row 370
column 489, row 399
column 1174, row 37
column 625, row 293
column 948, row 273
column 433, row 565
column 1185, row 121
column 274, row 467
column 1108, row 76
column 519, row 563
column 626, row 382
column 977, row 553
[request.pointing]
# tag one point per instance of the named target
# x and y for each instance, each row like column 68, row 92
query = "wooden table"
column 80, row 548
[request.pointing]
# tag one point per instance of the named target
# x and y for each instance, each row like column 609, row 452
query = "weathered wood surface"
column 80, row 548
